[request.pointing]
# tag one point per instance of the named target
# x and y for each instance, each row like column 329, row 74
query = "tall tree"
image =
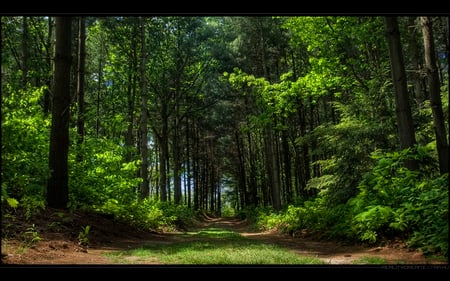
column 405, row 125
column 144, row 118
column 435, row 93
column 48, row 47
column 416, row 63
column 57, row 188
column 80, row 80
column 25, row 52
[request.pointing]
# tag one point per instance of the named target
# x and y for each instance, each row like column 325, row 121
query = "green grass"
column 212, row 246
column 370, row 260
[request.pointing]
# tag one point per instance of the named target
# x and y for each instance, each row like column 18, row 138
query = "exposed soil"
column 58, row 243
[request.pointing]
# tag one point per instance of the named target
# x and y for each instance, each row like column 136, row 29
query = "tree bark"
column 144, row 189
column 272, row 168
column 80, row 84
column 57, row 188
column 435, row 94
column 404, row 117
column 414, row 53
column 49, row 47
column 25, row 52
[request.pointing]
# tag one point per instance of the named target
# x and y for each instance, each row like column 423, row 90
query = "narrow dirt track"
column 108, row 236
column 329, row 252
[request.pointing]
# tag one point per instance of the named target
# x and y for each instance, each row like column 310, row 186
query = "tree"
column 404, row 117
column 80, row 81
column 144, row 118
column 57, row 187
column 25, row 52
column 435, row 93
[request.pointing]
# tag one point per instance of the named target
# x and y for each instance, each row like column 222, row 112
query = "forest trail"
column 331, row 252
column 108, row 236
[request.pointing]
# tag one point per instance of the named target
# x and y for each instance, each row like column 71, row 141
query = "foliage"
column 12, row 202
column 228, row 211
column 254, row 214
column 394, row 200
column 372, row 220
column 427, row 215
column 149, row 214
column 102, row 175
column 31, row 235
column 83, row 235
column 312, row 216
column 390, row 183
column 32, row 205
column 25, row 138
column 322, row 84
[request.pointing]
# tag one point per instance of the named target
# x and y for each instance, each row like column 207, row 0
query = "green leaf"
column 12, row 202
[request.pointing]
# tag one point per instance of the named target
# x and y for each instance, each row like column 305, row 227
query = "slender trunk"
column 99, row 89
column 196, row 168
column 287, row 166
column 25, row 52
column 49, row 61
column 131, row 99
column 144, row 189
column 176, row 156
column 252, row 184
column 404, row 117
column 416, row 75
column 242, row 187
column 164, row 152
column 435, row 94
column 272, row 169
column 80, row 85
column 188, row 165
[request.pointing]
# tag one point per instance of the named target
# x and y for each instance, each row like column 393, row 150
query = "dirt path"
column 329, row 252
column 59, row 248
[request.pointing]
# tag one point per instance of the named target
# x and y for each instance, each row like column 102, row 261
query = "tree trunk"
column 286, row 157
column 131, row 98
column 404, row 117
column 414, row 52
column 196, row 167
column 435, row 94
column 187, row 185
column 25, row 52
column 252, row 183
column 47, row 99
column 241, row 175
column 57, row 188
column 80, row 84
column 272, row 168
column 176, row 155
column 144, row 189
column 98, row 100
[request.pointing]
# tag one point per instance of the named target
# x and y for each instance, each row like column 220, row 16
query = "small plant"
column 32, row 205
column 83, row 236
column 55, row 225
column 12, row 202
column 32, row 235
column 64, row 218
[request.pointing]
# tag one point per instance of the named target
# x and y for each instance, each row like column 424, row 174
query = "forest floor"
column 56, row 241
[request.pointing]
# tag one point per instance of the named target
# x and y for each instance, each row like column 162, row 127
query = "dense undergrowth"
column 392, row 203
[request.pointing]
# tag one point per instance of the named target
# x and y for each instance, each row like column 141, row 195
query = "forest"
column 337, row 125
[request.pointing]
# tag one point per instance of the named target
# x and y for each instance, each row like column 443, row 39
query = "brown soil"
column 59, row 243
